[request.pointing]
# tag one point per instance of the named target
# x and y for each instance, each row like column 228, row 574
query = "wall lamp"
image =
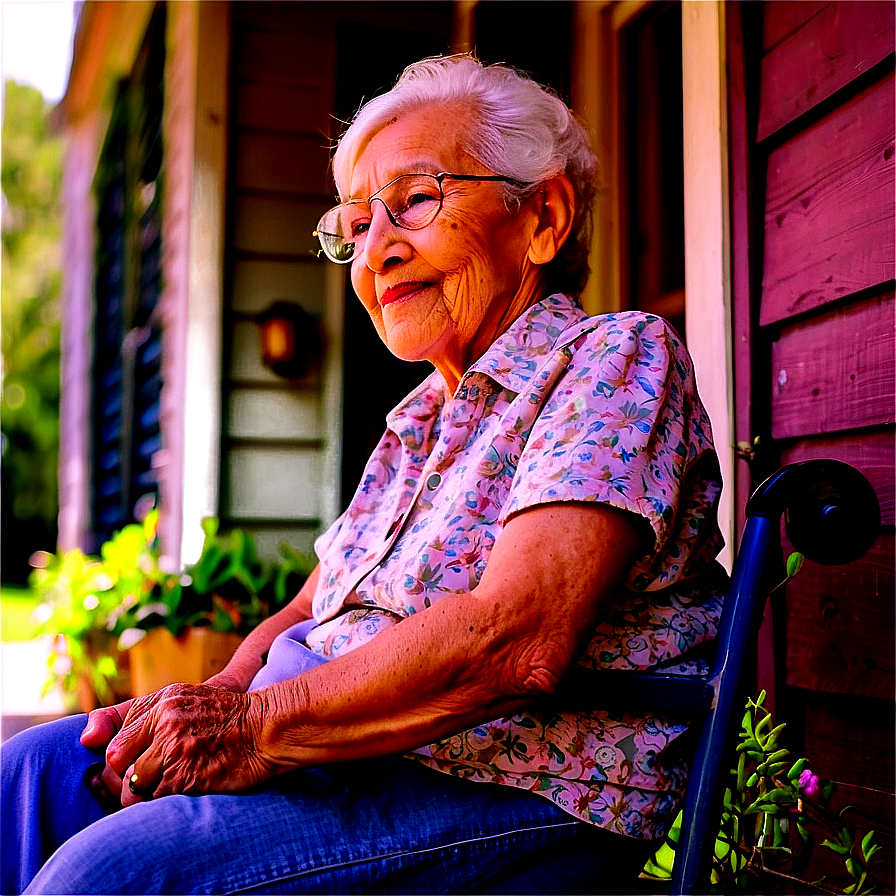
column 290, row 340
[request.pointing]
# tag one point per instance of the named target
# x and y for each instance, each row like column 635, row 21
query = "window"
column 128, row 339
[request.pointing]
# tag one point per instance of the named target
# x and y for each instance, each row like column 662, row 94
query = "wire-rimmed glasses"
column 412, row 201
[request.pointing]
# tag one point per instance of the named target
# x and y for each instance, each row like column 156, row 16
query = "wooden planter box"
column 196, row 655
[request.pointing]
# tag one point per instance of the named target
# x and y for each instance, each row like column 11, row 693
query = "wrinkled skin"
column 188, row 739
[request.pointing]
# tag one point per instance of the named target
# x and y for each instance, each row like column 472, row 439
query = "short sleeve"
column 624, row 426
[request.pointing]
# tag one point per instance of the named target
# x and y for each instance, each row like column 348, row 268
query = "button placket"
column 392, row 533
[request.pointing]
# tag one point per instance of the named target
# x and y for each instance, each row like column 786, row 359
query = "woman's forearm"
column 432, row 675
column 250, row 655
column 467, row 659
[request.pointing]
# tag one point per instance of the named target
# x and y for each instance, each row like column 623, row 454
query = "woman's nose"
column 384, row 243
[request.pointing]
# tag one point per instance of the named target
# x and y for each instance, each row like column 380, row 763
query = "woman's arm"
column 466, row 660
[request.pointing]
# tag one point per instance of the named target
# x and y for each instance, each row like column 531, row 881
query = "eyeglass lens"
column 411, row 200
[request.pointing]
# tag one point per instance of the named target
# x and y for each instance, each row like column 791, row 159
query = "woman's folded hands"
column 188, row 739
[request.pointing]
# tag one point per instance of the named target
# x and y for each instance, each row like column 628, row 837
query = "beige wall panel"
column 268, row 541
column 266, row 483
column 282, row 164
column 273, row 414
column 276, row 226
column 706, row 217
column 286, row 108
column 256, row 284
column 195, row 127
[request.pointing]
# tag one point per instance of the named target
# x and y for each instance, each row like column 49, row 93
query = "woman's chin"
column 409, row 344
column 406, row 350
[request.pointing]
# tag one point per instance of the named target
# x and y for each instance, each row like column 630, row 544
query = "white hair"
column 521, row 130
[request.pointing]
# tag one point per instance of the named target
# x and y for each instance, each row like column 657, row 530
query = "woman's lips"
column 402, row 291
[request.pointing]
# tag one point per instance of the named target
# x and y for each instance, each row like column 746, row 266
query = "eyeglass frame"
column 439, row 178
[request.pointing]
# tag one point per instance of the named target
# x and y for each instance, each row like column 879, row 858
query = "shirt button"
column 434, row 481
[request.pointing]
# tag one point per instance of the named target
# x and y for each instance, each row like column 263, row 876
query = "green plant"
column 17, row 606
column 228, row 589
column 76, row 601
column 770, row 809
column 95, row 607
column 31, row 274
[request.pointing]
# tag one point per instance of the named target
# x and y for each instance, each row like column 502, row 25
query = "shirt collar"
column 516, row 355
column 511, row 361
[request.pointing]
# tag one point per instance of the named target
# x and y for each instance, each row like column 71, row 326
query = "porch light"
column 290, row 344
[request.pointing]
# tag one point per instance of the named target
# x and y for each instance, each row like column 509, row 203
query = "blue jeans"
column 385, row 825
column 375, row 826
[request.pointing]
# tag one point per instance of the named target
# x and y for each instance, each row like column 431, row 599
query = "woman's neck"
column 456, row 359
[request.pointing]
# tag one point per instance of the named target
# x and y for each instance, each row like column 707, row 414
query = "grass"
column 17, row 603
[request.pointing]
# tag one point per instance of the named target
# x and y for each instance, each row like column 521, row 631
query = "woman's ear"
column 554, row 222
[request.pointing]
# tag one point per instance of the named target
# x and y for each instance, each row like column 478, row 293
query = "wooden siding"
column 823, row 362
column 870, row 451
column 857, row 755
column 298, row 70
column 840, row 41
column 829, row 226
column 272, row 458
column 840, row 626
column 835, row 371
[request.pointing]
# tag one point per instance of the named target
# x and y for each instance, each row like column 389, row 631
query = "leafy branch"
column 768, row 808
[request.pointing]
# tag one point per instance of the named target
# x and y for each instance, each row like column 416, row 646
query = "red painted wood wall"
column 821, row 331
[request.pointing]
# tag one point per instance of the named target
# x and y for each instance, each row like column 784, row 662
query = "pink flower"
column 809, row 783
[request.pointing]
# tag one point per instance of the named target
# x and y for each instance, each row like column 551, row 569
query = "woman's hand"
column 103, row 724
column 188, row 739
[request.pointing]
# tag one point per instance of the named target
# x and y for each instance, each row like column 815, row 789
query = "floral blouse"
column 562, row 407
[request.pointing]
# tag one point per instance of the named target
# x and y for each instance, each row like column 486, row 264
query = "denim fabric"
column 43, row 800
column 375, row 826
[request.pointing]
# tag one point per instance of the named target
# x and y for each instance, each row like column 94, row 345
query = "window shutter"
column 127, row 379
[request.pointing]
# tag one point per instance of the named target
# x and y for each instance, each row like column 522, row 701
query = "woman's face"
column 443, row 293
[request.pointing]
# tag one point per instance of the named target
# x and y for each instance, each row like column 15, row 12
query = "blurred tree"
column 30, row 280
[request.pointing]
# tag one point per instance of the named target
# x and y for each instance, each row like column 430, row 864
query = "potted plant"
column 187, row 626
column 121, row 625
column 79, row 597
column 774, row 810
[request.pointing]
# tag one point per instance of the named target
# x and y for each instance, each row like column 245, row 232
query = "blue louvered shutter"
column 127, row 333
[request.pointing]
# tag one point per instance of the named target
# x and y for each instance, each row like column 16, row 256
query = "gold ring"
column 138, row 791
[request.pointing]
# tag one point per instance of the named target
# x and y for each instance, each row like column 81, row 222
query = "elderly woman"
column 545, row 497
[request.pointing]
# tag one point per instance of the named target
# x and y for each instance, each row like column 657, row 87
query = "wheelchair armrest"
column 613, row 689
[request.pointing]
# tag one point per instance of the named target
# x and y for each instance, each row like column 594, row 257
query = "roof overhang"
column 107, row 36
